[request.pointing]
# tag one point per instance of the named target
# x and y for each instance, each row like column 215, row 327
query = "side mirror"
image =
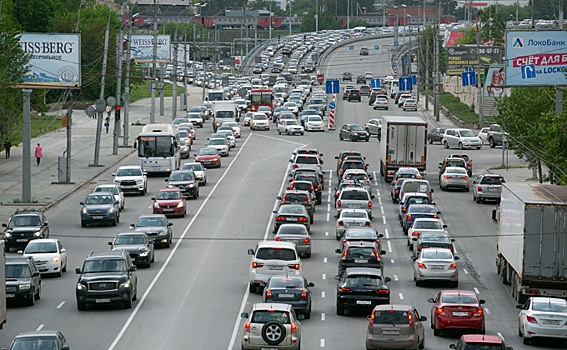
column 431, row 300
column 382, row 252
column 444, row 226
column 250, row 251
column 452, row 240
column 110, row 243
column 166, row 180
column 432, row 190
column 244, row 315
column 509, row 348
column 291, row 160
column 275, row 212
column 170, row 224
column 153, row 198
column 367, row 165
column 45, row 224
column 441, row 164
column 337, row 277
column 482, row 301
column 279, row 198
column 372, row 196
column 456, row 258
column 117, row 202
column 452, row 346
column 521, row 307
column 311, row 285
column 132, row 225
column 387, row 279
column 21, row 252
column 380, row 235
column 414, row 258
column 78, row 270
column 474, row 182
column 438, row 212
column 133, row 268
column 65, row 347
column 113, row 174
column 336, row 157
column 336, row 216
column 194, row 154
column 370, row 177
column 320, row 154
column 301, row 317
column 423, row 318
column 338, row 251
column 81, row 203
column 4, row 224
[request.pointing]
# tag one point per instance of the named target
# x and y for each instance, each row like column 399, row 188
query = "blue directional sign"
column 351, row 47
column 376, row 47
column 395, row 65
column 375, row 83
column 528, row 71
column 469, row 78
column 405, row 61
column 332, row 86
column 332, row 105
column 413, row 80
column 405, row 84
column 396, row 43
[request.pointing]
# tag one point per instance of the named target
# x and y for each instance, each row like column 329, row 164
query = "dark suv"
column 107, row 277
column 186, row 181
column 51, row 340
column 360, row 254
column 315, row 181
column 361, row 79
column 23, row 282
column 354, row 95
column 299, row 197
column 23, row 227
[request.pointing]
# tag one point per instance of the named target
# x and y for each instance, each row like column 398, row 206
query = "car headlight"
column 55, row 259
column 366, row 134
column 111, row 210
column 85, row 210
column 138, row 181
column 81, row 286
column 125, row 284
column 144, row 253
column 215, row 159
column 37, row 233
column 199, row 176
column 156, row 205
column 25, row 286
column 355, row 134
column 180, row 205
column 7, row 234
column 191, row 185
column 185, row 149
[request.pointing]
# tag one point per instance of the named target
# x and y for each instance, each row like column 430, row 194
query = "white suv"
column 131, row 178
column 272, row 258
column 271, row 326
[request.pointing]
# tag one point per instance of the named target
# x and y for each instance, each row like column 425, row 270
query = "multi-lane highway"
column 192, row 296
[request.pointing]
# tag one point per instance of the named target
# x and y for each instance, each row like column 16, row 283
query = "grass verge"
column 39, row 126
column 459, row 109
column 141, row 91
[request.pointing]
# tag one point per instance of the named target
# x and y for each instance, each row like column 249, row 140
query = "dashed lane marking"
column 392, row 261
column 382, row 209
column 40, row 327
column 487, row 311
column 476, row 290
column 326, row 233
column 395, row 277
column 384, row 219
column 328, row 216
column 401, row 296
column 324, row 260
column 322, row 316
column 322, row 343
column 386, row 232
column 389, row 247
column 60, row 304
column 323, row 294
column 465, row 271
column 324, row 276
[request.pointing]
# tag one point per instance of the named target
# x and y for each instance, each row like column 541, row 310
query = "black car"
column 24, row 226
column 137, row 244
column 364, row 51
column 340, row 158
column 433, row 240
column 156, row 226
column 351, row 164
column 361, row 254
column 107, row 277
column 347, row 76
column 353, row 132
column 291, row 214
column 435, row 135
column 293, row 290
column 361, row 288
column 186, row 181
column 299, row 197
column 361, row 79
column 100, row 207
column 50, row 340
column 301, row 175
column 354, row 95
column 304, row 186
column 23, row 281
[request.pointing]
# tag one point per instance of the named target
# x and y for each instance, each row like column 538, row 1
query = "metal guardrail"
column 251, row 56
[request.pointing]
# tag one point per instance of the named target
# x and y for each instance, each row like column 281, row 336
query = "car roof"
column 458, row 292
column 297, row 191
column 355, row 189
column 38, row 334
column 170, row 189
column 17, row 259
column 130, row 167
column 436, row 249
column 276, row 244
column 481, row 338
column 152, row 216
column 43, row 240
column 396, row 307
column 99, row 193
column 363, row 270
column 107, row 254
column 360, row 243
column 271, row 306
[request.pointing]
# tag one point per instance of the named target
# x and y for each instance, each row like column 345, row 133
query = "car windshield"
column 466, row 133
column 353, row 214
column 435, row 237
column 36, row 342
column 260, row 117
column 150, row 222
column 306, row 160
column 265, row 316
column 99, row 199
column 18, row 271
column 314, row 119
column 181, row 176
column 231, row 124
column 292, row 209
column 410, row 101
column 286, row 282
column 353, row 165
column 310, row 112
column 37, row 246
column 196, row 110
column 303, row 186
column 428, row 225
column 356, row 127
column 110, row 189
column 360, row 234
column 278, row 253
column 155, row 146
column 194, row 167
column 292, row 230
column 24, row 220
column 364, row 280
column 458, row 299
column 130, row 239
column 354, row 195
column 166, row 195
column 194, row 116
column 183, row 134
column 129, row 172
column 361, row 251
column 217, row 142
column 296, row 197
column 482, row 346
column 391, row 317
column 225, row 131
column 492, row 180
column 207, row 152
column 291, row 122
column 435, row 254
column 549, row 305
column 421, row 209
column 107, row 265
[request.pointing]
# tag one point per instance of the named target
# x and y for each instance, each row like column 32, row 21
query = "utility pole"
column 437, row 77
column 127, row 82
column 316, row 15
column 559, row 91
column 101, row 100
column 246, row 21
column 26, row 151
column 271, row 22
column 289, row 17
column 116, row 131
column 154, row 69
column 383, row 14
column 418, row 75
column 426, row 71
column 478, row 82
column 255, row 28
column 174, row 81
column 347, row 15
column 184, row 99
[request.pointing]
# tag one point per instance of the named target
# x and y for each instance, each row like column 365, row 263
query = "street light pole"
column 316, row 15
column 154, row 69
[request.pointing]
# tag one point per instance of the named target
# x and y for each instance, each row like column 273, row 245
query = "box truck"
column 224, row 110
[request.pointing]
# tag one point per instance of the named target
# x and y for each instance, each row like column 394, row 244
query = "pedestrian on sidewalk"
column 38, row 153
column 7, row 146
column 107, row 123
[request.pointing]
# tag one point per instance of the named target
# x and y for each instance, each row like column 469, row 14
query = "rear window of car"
column 360, row 234
column 303, row 187
column 434, row 254
column 422, row 209
column 350, row 154
column 361, row 251
column 435, row 237
column 492, row 180
column 295, row 197
column 292, row 209
column 482, row 346
column 458, row 299
column 353, row 214
column 391, row 317
column 455, row 164
column 306, row 160
column 353, row 165
column 354, row 195
column 353, row 91
column 364, row 280
column 267, row 316
column 418, row 200
column 286, row 282
column 292, row 230
column 550, row 306
column 276, row 254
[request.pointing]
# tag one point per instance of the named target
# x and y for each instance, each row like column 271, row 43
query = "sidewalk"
column 54, row 143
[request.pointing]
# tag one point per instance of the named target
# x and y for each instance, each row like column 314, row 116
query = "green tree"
column 492, row 26
column 327, row 21
column 34, row 16
column 358, row 23
column 427, row 57
column 181, row 28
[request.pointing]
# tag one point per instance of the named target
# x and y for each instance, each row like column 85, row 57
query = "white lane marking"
column 378, row 191
column 328, row 216
column 401, row 296
column 60, row 304
column 389, row 247
column 324, row 276
column 324, row 260
column 322, row 294
column 382, row 209
column 326, row 233
column 150, row 207
column 329, row 206
column 487, row 311
column 455, row 253
column 465, row 271
column 392, row 261
column 329, row 198
column 322, row 343
column 322, row 316
column 387, row 234
column 329, row 191
column 500, row 335
column 40, row 327
column 476, row 290
column 384, row 219
column 395, row 277
column 330, row 184
column 380, row 200
column 375, row 179
column 330, row 174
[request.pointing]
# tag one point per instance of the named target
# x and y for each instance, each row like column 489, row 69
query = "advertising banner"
column 143, row 48
column 459, row 57
column 494, row 80
column 536, row 58
column 55, row 60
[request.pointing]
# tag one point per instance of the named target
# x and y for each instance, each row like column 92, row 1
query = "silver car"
column 455, row 177
column 395, row 326
column 359, row 176
column 361, row 234
column 354, row 198
column 461, row 138
column 272, row 258
column 229, row 135
column 195, row 119
column 271, row 326
column 351, row 218
column 259, row 122
column 435, row 264
column 219, row 144
column 199, row 171
column 487, row 186
column 235, row 127
column 297, row 234
column 290, row 127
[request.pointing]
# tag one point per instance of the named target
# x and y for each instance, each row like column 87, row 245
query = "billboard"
column 536, row 58
column 143, row 48
column 494, row 82
column 55, row 60
column 459, row 57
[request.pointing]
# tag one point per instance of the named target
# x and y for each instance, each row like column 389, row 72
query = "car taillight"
column 358, row 94
column 280, row 218
column 419, row 248
column 303, row 294
column 247, row 327
column 479, row 188
column 441, row 312
column 408, row 218
column 382, row 291
column 344, row 241
column 306, row 241
column 464, row 177
column 410, row 318
column 269, row 293
column 339, row 203
column 377, row 242
column 302, row 219
column 453, row 266
column 531, row 319
column 278, row 239
column 257, row 265
column 372, row 319
column 293, row 328
column 319, row 186
column 478, row 313
column 404, row 209
column 367, row 224
column 446, row 177
column 470, row 163
column 421, row 266
column 341, row 223
column 369, row 204
column 345, row 290
column 344, row 254
column 293, row 266
column 414, row 233
column 396, row 191
column 294, row 166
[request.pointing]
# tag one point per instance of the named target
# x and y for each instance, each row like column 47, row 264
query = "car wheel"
column 340, row 310
column 60, row 273
column 446, row 144
column 467, row 189
column 117, row 217
column 64, row 268
column 279, row 132
column 184, row 213
column 386, row 108
column 311, row 219
column 308, row 255
column 455, row 284
column 429, row 140
column 83, row 224
column 114, row 222
column 81, row 306
column 142, row 192
column 422, row 344
column 351, row 139
column 128, row 304
column 340, row 137
column 37, row 295
column 460, row 145
column 273, row 332
column 436, row 332
column 526, row 341
column 252, row 288
column 479, row 147
column 492, row 145
column 418, row 283
column 153, row 260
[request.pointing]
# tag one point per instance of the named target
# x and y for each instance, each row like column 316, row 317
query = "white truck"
column 223, row 110
column 532, row 240
column 3, row 289
column 215, row 95
column 403, row 144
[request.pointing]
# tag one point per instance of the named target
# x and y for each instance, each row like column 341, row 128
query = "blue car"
column 100, row 207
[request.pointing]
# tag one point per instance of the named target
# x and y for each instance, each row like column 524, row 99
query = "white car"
column 195, row 119
column 351, row 218
column 424, row 225
column 229, row 136
column 368, row 75
column 259, row 122
column 462, row 138
column 409, row 104
column 290, row 127
column 131, row 178
column 483, row 134
column 435, row 264
column 235, row 127
column 220, row 145
column 542, row 318
column 272, row 258
column 380, row 102
column 115, row 190
column 314, row 123
column 48, row 254
column 292, row 106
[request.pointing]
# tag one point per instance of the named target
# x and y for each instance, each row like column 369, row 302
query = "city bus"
column 261, row 97
column 159, row 148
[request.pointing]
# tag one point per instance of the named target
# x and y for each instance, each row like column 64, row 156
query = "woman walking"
column 38, row 154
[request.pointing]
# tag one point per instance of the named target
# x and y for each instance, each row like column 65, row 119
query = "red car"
column 477, row 341
column 456, row 309
column 169, row 201
column 208, row 157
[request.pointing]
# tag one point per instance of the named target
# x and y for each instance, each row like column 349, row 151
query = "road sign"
column 469, row 78
column 90, row 111
column 111, row 101
column 395, row 64
column 332, row 105
column 332, row 86
column 100, row 106
column 351, row 47
column 126, row 97
column 320, row 78
column 405, row 84
column 413, row 80
column 375, row 83
column 405, row 61
column 528, row 71
column 396, row 43
column 376, row 47
column 242, row 92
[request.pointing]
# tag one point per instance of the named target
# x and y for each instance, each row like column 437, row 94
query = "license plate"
column 10, row 295
column 22, row 240
column 102, row 301
column 286, row 295
column 390, row 332
column 555, row 292
column 353, row 223
column 360, row 261
column 291, row 219
column 355, row 206
column 493, row 189
column 437, row 267
column 98, row 217
column 554, row 322
column 268, row 349
column 460, row 314
column 363, row 302
column 168, row 210
column 275, row 267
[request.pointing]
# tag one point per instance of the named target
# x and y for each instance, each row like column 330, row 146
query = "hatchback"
column 297, row 234
column 409, row 104
column 351, row 218
column 435, row 135
column 354, row 95
column 487, row 186
column 457, row 309
column 476, row 341
column 170, row 201
column 395, row 326
column 48, row 254
column 272, row 259
column 51, row 340
column 293, row 290
column 271, row 326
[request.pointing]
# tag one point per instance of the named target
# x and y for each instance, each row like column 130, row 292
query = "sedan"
column 208, row 157
column 195, row 119
column 221, row 145
column 291, row 213
column 457, row 309
column 156, row 226
column 409, row 104
column 351, row 217
column 435, row 264
column 435, row 135
column 424, row 225
column 170, row 201
column 100, row 207
column 199, row 171
column 295, row 233
column 48, row 254
column 235, row 128
column 353, row 132
column 115, row 190
column 290, row 127
column 433, row 240
column 361, row 234
column 137, row 244
column 293, row 290
column 542, row 318
column 314, row 123
column 454, row 177
column 415, row 211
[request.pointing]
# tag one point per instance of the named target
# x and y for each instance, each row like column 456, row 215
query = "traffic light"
column 117, row 113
